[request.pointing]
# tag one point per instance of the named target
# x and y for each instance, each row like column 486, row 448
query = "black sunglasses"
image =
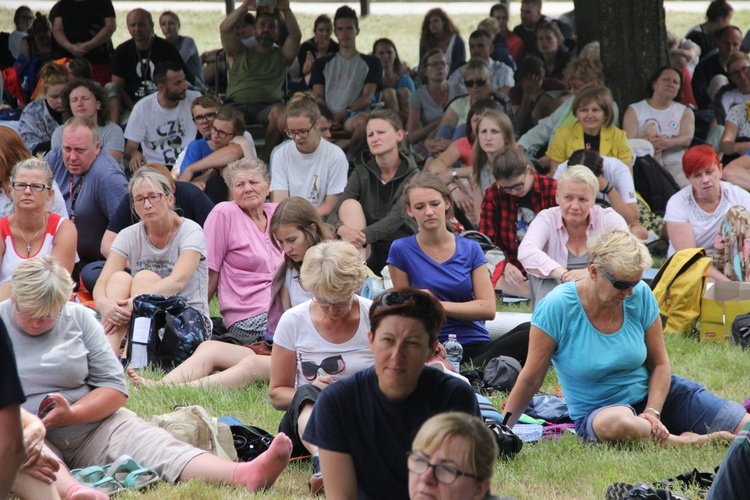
column 396, row 298
column 618, row 284
column 331, row 365
column 472, row 83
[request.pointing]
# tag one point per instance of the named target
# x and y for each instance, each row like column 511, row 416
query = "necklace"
column 439, row 250
column 611, row 318
column 152, row 236
column 28, row 243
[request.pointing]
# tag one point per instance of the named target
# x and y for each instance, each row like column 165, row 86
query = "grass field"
column 546, row 470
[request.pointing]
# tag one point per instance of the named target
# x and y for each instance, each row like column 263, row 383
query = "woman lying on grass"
column 603, row 335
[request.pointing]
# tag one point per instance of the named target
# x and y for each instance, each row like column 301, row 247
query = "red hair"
column 699, row 158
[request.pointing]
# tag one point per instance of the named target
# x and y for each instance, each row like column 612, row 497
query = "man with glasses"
column 161, row 123
column 480, row 47
column 508, row 207
column 92, row 185
column 308, row 165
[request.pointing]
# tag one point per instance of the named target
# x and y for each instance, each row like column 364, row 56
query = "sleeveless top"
column 11, row 258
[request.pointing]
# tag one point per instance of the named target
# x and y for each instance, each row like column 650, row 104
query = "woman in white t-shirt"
column 320, row 341
column 710, row 214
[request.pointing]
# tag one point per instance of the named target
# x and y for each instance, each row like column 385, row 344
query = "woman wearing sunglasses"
column 553, row 251
column 319, row 341
column 604, row 337
column 364, row 425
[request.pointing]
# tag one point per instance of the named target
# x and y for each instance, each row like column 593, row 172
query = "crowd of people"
column 130, row 170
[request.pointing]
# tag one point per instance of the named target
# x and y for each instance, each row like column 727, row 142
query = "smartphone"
column 47, row 405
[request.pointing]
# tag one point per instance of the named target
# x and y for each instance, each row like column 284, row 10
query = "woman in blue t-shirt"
column 603, row 334
column 454, row 270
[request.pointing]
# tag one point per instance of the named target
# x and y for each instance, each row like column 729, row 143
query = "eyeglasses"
column 22, row 186
column 442, row 473
column 514, row 187
column 335, row 305
column 331, row 365
column 221, row 134
column 204, row 118
column 743, row 71
column 618, row 284
column 301, row 133
column 152, row 198
column 475, row 83
column 397, row 298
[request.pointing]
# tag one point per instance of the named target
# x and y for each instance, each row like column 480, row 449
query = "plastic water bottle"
column 455, row 352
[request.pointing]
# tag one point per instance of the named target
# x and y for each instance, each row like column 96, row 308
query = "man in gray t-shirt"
column 347, row 81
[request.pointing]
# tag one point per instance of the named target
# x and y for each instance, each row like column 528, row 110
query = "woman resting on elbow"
column 554, row 248
column 710, row 214
column 626, row 392
column 319, row 341
column 440, row 262
column 166, row 255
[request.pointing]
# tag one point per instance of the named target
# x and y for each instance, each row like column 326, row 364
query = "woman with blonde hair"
column 626, row 391
column 554, row 249
column 319, row 341
column 42, row 116
column 32, row 230
column 308, row 166
column 452, row 456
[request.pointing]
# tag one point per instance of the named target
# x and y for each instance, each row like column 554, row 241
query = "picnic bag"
column 740, row 331
column 678, row 288
column 494, row 255
column 164, row 331
column 653, row 183
column 194, row 426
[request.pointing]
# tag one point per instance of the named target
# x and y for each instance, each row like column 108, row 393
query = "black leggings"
column 515, row 344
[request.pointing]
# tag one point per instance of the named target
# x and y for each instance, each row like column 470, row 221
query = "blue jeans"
column 733, row 478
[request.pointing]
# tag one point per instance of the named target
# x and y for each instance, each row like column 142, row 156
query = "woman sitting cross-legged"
column 603, row 335
column 319, row 341
column 454, row 270
column 166, row 255
column 61, row 350
column 296, row 227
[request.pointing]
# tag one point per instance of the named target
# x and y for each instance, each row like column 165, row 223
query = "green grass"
column 547, row 470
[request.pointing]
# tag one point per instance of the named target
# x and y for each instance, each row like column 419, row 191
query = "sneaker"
column 316, row 480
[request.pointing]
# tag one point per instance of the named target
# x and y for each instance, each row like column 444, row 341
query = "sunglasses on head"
column 396, row 298
column 475, row 83
column 331, row 365
column 618, row 284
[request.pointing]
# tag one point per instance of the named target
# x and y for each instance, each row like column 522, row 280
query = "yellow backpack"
column 678, row 288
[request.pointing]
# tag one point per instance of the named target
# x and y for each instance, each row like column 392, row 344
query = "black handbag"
column 250, row 441
column 175, row 331
column 740, row 330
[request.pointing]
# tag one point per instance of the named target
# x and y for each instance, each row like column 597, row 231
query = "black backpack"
column 653, row 183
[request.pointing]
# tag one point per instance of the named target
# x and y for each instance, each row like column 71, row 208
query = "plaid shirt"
column 500, row 213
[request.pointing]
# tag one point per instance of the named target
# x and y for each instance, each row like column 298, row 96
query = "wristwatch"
column 455, row 173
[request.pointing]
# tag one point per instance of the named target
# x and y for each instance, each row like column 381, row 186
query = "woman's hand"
column 61, row 415
column 437, row 145
column 33, row 438
column 115, row 313
column 513, row 275
column 323, row 381
column 574, row 274
column 463, row 201
column 532, row 87
column 44, row 467
column 659, row 432
column 353, row 236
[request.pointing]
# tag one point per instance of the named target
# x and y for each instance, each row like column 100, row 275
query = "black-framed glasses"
column 37, row 188
column 514, row 187
column 204, row 118
column 301, row 133
column 221, row 134
column 442, row 473
column 331, row 365
column 475, row 83
column 618, row 284
column 744, row 71
column 152, row 198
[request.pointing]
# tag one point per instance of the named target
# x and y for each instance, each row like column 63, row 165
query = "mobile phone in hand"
column 47, row 405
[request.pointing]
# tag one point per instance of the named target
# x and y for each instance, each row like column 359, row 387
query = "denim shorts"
column 687, row 407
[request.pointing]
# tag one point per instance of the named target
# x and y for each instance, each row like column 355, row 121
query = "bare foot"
column 263, row 471
column 139, row 381
column 81, row 492
column 692, row 438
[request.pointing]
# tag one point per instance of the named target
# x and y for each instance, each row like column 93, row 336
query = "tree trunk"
column 633, row 38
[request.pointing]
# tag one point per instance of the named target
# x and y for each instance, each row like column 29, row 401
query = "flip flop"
column 88, row 475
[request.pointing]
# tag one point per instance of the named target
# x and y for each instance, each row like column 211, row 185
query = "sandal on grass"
column 108, row 486
column 88, row 475
column 128, row 473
